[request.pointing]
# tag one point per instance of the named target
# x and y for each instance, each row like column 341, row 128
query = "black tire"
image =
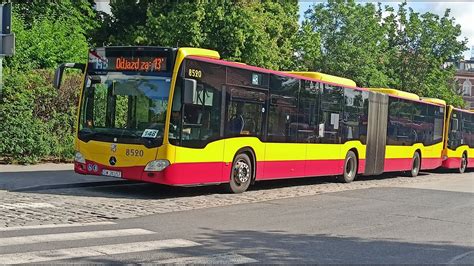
column 415, row 165
column 241, row 174
column 462, row 168
column 350, row 167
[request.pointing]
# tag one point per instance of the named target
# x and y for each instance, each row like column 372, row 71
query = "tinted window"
column 331, row 112
column 414, row 122
column 461, row 129
column 309, row 112
column 200, row 122
column 354, row 120
column 245, row 109
column 468, row 120
column 246, row 78
column 283, row 112
column 455, row 130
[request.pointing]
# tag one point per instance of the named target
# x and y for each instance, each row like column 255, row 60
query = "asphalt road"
column 423, row 222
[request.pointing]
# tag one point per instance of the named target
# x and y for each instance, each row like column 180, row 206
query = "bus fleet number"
column 134, row 153
column 195, row 73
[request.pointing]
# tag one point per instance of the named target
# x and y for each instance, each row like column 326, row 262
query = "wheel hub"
column 241, row 172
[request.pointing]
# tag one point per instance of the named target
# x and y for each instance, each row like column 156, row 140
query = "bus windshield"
column 117, row 107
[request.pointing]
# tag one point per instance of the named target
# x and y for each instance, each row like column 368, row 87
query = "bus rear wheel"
column 463, row 166
column 350, row 167
column 241, row 174
column 415, row 165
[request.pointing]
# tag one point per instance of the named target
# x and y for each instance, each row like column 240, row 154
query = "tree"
column 403, row 50
column 255, row 32
column 420, row 44
column 80, row 12
column 352, row 41
column 46, row 43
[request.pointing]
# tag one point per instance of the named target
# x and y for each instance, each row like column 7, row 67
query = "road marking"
column 103, row 250
column 30, row 205
column 458, row 257
column 32, row 239
column 211, row 259
column 45, row 226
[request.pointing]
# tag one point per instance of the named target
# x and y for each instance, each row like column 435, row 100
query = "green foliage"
column 37, row 121
column 419, row 45
column 260, row 33
column 352, row 41
column 78, row 12
column 46, row 43
column 404, row 50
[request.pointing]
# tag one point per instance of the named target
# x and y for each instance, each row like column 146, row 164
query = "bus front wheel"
column 240, row 175
column 463, row 166
column 350, row 167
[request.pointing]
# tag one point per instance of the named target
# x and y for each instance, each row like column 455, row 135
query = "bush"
column 36, row 121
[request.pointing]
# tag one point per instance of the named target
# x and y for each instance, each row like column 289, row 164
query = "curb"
column 74, row 185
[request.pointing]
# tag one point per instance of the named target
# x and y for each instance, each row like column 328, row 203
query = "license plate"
column 111, row 173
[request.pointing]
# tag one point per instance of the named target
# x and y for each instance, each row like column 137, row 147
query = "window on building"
column 466, row 87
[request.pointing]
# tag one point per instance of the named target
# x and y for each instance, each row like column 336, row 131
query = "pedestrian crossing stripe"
column 34, row 239
column 92, row 251
column 46, row 226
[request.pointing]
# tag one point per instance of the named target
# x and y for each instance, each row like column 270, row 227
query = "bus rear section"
column 459, row 145
column 412, row 131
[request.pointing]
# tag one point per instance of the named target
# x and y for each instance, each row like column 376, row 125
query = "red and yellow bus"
column 459, row 143
column 184, row 117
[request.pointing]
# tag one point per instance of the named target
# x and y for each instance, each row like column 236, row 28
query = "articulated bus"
column 459, row 144
column 183, row 117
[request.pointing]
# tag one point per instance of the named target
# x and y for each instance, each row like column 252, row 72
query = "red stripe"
column 191, row 174
column 398, row 164
column 282, row 169
column 361, row 166
column 452, row 163
column 405, row 164
column 431, row 163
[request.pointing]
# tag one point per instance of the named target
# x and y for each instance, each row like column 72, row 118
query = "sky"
column 462, row 11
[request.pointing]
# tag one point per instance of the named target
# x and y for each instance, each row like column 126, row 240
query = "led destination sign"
column 140, row 64
column 128, row 60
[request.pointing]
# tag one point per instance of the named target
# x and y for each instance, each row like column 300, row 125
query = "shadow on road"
column 40, row 180
column 290, row 248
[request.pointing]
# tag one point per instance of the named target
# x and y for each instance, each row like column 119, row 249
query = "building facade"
column 465, row 81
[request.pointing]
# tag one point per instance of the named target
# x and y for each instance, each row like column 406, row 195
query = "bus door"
column 244, row 119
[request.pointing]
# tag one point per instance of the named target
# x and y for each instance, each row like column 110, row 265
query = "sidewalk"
column 6, row 168
column 48, row 176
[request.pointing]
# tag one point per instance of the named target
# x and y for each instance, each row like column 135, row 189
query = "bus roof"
column 324, row 77
column 398, row 93
column 433, row 100
column 188, row 51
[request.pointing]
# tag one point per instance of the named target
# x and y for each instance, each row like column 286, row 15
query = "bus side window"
column 283, row 109
column 308, row 112
column 331, row 112
column 202, row 118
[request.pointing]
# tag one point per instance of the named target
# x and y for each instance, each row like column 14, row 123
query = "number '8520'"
column 134, row 153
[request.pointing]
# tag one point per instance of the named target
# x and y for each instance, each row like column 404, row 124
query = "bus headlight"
column 79, row 158
column 157, row 165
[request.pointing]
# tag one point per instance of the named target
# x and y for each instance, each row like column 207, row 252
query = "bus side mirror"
column 58, row 75
column 190, row 86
